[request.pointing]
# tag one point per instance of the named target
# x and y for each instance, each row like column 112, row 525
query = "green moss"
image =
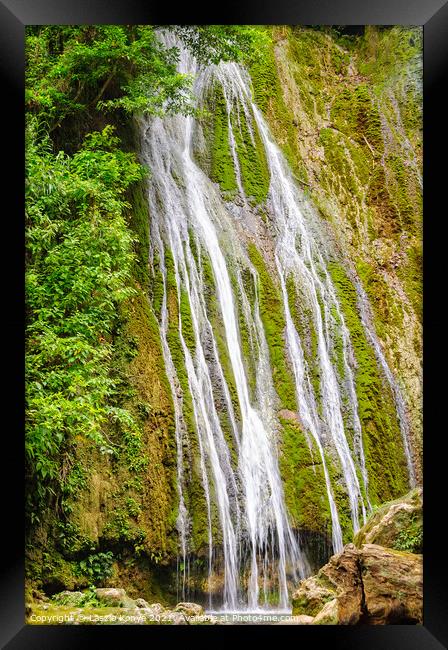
column 252, row 159
column 221, row 343
column 139, row 224
column 263, row 72
column 196, row 505
column 145, row 463
column 246, row 343
column 355, row 113
column 337, row 351
column 218, row 158
column 271, row 312
column 382, row 49
column 411, row 273
column 301, row 314
column 301, row 604
column 206, row 271
column 187, row 323
column 340, row 496
column 268, row 95
column 383, row 447
column 193, row 242
column 385, row 308
column 172, row 336
column 401, row 188
column 215, row 317
column 156, row 286
column 340, row 60
column 379, row 196
column 311, row 51
column 304, row 480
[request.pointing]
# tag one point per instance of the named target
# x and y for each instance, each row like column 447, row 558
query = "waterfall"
column 304, row 263
column 196, row 239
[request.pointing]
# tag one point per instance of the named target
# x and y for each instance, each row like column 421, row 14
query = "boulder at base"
column 111, row 597
column 372, row 585
column 189, row 609
column 393, row 585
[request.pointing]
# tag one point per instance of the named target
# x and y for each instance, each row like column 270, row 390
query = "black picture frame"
column 433, row 16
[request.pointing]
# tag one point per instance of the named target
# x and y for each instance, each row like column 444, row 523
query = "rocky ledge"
column 374, row 581
column 373, row 585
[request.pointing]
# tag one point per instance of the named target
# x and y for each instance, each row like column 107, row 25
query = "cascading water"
column 364, row 310
column 242, row 487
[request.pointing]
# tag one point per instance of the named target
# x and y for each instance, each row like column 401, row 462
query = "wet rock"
column 372, row 585
column 329, row 614
column 398, row 524
column 340, row 579
column 111, row 597
column 141, row 603
column 189, row 609
column 288, row 415
column 310, row 597
column 393, row 586
column 342, row 572
column 175, row 618
column 157, row 608
column 71, row 598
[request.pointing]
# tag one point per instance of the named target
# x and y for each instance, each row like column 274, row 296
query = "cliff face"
column 349, row 116
column 346, row 112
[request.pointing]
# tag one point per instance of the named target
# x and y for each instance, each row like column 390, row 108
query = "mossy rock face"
column 397, row 524
column 311, row 596
column 393, row 586
column 346, row 112
column 302, row 316
column 329, row 614
column 114, row 503
column 69, row 598
column 272, row 316
column 215, row 155
column 356, row 114
column 372, row 585
column 385, row 458
column 251, row 158
column 112, row 597
column 303, row 478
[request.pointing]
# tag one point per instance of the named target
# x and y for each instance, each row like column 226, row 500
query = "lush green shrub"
column 78, row 270
column 96, row 566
